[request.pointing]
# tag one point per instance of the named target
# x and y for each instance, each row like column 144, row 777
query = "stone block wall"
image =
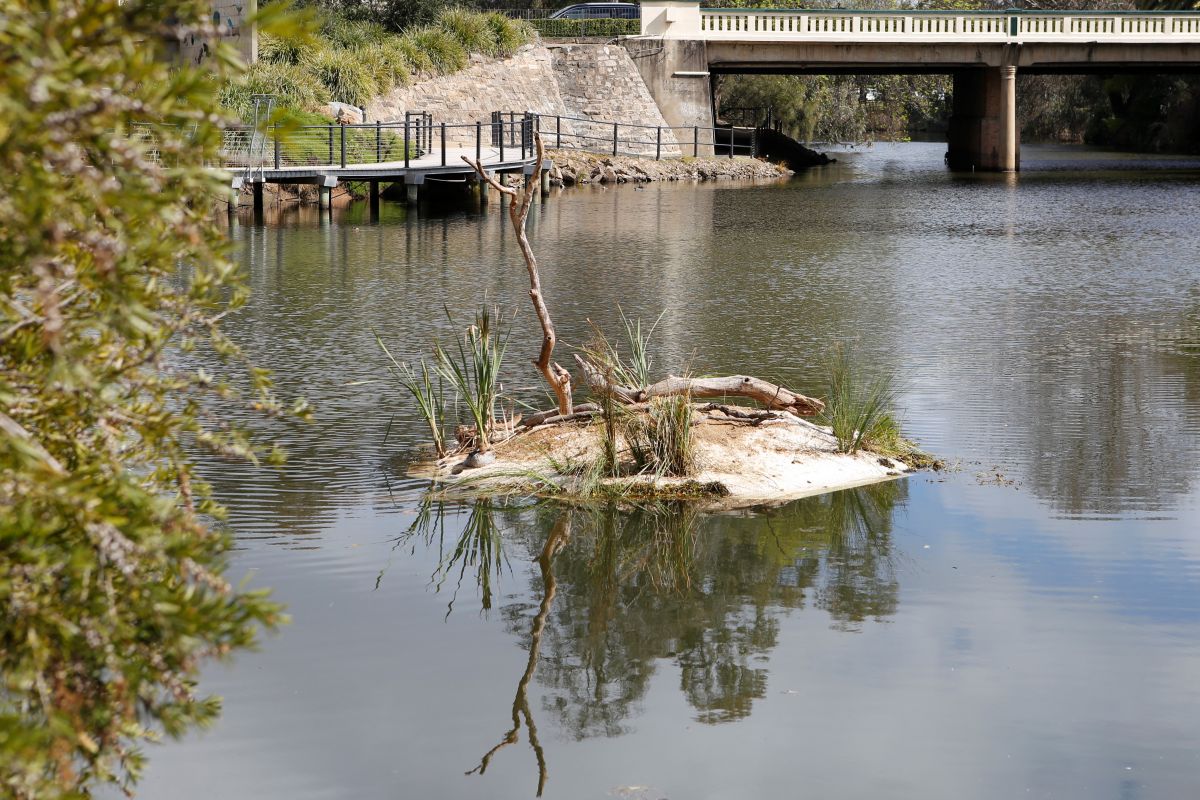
column 584, row 81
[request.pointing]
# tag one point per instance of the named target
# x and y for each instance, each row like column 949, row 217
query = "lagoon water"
column 1025, row 624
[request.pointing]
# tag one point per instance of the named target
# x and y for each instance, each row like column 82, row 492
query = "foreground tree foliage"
column 113, row 282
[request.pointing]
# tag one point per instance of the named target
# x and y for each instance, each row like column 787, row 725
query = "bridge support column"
column 374, row 200
column 412, row 193
column 324, row 195
column 983, row 133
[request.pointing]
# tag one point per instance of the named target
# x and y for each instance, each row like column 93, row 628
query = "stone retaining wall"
column 587, row 81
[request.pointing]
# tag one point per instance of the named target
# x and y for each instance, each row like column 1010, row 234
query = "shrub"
column 114, row 373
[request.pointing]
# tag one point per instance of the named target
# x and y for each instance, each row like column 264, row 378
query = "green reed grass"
column 474, row 370
column 858, row 407
column 419, row 384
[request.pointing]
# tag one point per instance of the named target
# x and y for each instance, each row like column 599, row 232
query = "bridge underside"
column 983, row 133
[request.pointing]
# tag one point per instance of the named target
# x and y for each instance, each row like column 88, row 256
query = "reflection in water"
column 665, row 582
column 559, row 535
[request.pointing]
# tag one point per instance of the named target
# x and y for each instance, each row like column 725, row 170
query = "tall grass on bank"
column 858, row 408
column 352, row 61
column 474, row 371
column 419, row 383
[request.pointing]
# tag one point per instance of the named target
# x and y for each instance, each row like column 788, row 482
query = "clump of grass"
column 292, row 85
column 471, row 30
column 418, row 61
column 345, row 77
column 636, row 370
column 660, row 439
column 508, row 34
column 632, row 371
column 419, row 383
column 350, row 34
column 857, row 407
column 386, row 64
column 443, row 50
column 280, row 49
column 474, row 371
column 670, row 434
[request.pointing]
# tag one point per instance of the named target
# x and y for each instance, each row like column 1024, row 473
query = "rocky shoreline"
column 574, row 167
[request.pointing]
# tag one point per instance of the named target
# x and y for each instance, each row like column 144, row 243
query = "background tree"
column 113, row 282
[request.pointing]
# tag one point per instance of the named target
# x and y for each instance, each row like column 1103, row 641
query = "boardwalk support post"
column 258, row 201
column 375, row 200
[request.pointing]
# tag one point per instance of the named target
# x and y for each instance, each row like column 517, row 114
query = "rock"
column 344, row 113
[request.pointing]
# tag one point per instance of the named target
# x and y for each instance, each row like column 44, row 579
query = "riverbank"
column 574, row 167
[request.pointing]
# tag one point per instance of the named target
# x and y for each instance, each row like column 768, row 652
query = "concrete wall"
column 230, row 19
column 588, row 81
column 676, row 74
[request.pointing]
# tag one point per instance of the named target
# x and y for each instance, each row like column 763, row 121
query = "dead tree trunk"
column 518, row 211
column 773, row 397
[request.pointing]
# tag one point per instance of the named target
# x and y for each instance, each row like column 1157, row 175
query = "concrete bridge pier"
column 983, row 134
column 374, row 200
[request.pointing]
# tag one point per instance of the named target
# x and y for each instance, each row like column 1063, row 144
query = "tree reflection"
column 664, row 582
column 557, row 539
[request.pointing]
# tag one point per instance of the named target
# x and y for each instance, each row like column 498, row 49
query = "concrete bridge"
column 682, row 45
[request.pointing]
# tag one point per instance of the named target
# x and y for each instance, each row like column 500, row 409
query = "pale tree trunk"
column 518, row 211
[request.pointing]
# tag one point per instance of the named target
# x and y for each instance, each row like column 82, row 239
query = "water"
column 1024, row 625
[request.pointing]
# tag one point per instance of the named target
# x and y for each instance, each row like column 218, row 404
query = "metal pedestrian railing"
column 419, row 141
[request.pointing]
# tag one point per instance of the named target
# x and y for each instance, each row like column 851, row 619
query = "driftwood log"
column 774, row 397
column 518, row 211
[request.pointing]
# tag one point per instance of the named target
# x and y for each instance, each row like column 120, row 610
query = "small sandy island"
column 737, row 463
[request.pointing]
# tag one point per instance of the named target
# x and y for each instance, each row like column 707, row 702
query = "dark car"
column 599, row 11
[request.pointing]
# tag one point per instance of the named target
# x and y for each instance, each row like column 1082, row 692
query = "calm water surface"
column 1026, row 625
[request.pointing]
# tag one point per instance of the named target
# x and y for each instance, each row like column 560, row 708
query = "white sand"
column 780, row 459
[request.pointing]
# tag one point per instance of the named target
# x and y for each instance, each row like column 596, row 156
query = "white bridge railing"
column 678, row 19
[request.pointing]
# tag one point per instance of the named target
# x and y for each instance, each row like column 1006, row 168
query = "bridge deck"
column 446, row 163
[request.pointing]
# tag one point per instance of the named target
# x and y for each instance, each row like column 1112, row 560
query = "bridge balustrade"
column 680, row 20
